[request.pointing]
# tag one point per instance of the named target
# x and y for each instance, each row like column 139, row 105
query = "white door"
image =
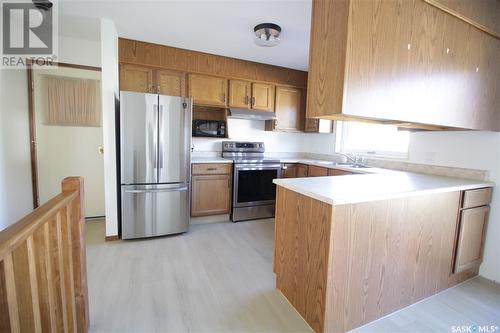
column 64, row 151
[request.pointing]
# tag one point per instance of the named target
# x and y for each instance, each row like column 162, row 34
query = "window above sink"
column 372, row 139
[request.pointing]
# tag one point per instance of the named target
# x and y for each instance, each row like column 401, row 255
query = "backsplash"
column 276, row 142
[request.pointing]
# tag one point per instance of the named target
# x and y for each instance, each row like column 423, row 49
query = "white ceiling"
column 223, row 27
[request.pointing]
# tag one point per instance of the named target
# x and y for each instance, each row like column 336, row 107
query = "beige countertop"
column 388, row 184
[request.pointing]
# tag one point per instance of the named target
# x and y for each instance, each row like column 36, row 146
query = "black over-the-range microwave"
column 209, row 128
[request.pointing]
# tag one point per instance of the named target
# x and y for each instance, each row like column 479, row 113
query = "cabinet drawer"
column 212, row 169
column 475, row 198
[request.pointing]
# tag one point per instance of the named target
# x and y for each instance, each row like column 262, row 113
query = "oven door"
column 253, row 184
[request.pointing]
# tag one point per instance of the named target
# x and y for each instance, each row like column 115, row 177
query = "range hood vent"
column 251, row 115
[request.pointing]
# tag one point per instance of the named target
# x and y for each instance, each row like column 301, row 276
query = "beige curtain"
column 73, row 102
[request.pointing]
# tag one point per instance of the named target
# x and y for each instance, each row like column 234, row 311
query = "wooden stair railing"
column 43, row 279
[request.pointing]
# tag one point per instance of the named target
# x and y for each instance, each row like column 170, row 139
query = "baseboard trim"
column 210, row 219
column 112, row 238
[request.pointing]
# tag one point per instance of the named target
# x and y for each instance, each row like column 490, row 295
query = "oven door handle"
column 257, row 167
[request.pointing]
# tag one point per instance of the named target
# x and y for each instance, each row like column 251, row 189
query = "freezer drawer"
column 154, row 210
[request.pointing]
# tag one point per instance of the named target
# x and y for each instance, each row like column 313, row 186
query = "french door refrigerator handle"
column 160, row 137
column 155, row 141
column 175, row 189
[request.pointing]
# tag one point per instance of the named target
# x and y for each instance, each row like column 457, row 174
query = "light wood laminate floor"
column 219, row 278
column 216, row 278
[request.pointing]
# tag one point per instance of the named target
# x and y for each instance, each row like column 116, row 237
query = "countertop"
column 388, row 184
column 195, row 160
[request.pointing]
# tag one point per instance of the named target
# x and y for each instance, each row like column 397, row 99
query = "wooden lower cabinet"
column 351, row 261
column 337, row 172
column 211, row 186
column 470, row 242
column 302, row 170
column 289, row 170
column 316, row 171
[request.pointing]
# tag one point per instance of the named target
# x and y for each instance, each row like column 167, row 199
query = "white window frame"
column 341, row 136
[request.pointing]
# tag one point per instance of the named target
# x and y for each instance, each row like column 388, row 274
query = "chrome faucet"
column 355, row 159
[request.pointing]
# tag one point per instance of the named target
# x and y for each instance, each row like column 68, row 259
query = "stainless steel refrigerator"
column 155, row 142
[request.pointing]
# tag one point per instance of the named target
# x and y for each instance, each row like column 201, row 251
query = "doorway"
column 66, row 132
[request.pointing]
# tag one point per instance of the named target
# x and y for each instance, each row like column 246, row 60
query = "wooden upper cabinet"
column 314, row 125
column 290, row 114
column 470, row 243
column 263, row 97
column 208, row 90
column 483, row 14
column 409, row 62
column 239, row 94
column 171, row 83
column 136, row 78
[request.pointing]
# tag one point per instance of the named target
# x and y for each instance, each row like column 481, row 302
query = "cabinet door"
column 337, row 172
column 211, row 195
column 171, row 83
column 469, row 250
column 316, row 171
column 289, row 170
column 208, row 90
column 136, row 78
column 301, row 170
column 239, row 94
column 262, row 97
column 289, row 112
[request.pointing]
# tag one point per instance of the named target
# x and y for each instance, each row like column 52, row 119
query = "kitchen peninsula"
column 351, row 249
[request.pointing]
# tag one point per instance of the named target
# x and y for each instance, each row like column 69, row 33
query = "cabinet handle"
column 253, row 100
column 246, row 100
column 224, row 98
column 211, row 169
column 158, row 87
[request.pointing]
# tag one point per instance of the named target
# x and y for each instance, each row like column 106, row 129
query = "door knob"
column 100, row 149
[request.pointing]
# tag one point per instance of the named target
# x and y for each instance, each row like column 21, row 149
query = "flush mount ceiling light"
column 267, row 34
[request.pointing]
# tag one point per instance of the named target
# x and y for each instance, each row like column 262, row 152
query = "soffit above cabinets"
column 216, row 27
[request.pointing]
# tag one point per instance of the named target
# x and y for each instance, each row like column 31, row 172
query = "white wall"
column 475, row 150
column 79, row 51
column 276, row 142
column 110, row 91
column 64, row 151
column 15, row 164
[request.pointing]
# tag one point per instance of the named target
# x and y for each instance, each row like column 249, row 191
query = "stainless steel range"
column 254, row 193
